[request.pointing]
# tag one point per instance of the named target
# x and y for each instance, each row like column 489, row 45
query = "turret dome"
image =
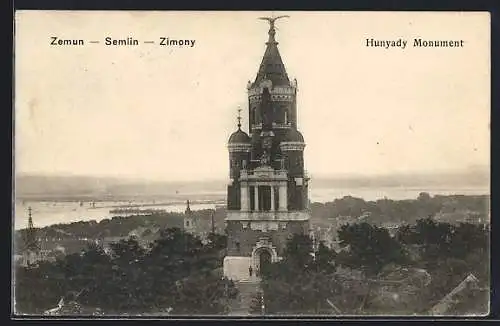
column 239, row 137
column 293, row 135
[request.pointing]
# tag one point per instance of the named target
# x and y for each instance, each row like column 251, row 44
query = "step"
column 247, row 290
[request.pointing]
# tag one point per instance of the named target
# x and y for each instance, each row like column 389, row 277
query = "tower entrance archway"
column 263, row 255
column 265, row 260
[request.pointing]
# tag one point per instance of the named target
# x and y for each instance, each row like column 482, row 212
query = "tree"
column 325, row 258
column 217, row 241
column 406, row 234
column 467, row 237
column 301, row 282
column 370, row 248
column 305, row 294
column 298, row 251
column 199, row 295
column 35, row 291
column 176, row 273
column 434, row 238
column 424, row 197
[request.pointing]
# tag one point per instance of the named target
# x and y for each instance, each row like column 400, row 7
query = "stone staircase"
column 247, row 291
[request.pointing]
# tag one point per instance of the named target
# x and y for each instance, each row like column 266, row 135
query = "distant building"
column 106, row 243
column 145, row 235
column 189, row 224
column 31, row 253
column 391, row 227
column 201, row 223
column 469, row 284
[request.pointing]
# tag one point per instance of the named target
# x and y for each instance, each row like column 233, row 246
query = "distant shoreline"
column 217, row 197
column 52, row 212
column 315, row 206
column 93, row 188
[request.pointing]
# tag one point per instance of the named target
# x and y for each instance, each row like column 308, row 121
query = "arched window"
column 286, row 116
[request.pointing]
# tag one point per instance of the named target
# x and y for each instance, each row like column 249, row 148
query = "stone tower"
column 189, row 223
column 267, row 196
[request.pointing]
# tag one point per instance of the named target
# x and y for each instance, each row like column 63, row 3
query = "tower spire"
column 30, row 218
column 239, row 117
column 271, row 67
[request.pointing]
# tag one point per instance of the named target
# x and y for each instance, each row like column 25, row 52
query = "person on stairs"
column 250, row 270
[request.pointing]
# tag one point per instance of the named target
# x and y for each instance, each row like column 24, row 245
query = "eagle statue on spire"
column 271, row 20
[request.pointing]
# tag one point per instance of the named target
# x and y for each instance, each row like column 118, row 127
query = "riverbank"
column 48, row 212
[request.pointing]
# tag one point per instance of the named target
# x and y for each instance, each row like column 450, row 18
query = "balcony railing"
column 267, row 215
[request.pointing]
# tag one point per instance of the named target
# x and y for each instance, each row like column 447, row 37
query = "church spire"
column 30, row 219
column 31, row 240
column 272, row 67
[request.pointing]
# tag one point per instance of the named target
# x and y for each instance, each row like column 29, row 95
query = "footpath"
column 248, row 291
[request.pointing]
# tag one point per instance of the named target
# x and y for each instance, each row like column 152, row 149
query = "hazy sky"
column 167, row 112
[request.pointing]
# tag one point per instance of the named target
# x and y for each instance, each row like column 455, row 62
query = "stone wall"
column 236, row 268
column 242, row 239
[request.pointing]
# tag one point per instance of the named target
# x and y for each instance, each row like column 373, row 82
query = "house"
column 444, row 306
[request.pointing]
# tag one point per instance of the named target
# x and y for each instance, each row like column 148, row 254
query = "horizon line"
column 340, row 175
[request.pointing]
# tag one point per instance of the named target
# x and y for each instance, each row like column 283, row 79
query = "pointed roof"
column 272, row 66
column 443, row 306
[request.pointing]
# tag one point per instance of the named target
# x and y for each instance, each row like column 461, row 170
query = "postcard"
column 248, row 164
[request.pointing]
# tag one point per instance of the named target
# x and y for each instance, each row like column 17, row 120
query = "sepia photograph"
column 250, row 164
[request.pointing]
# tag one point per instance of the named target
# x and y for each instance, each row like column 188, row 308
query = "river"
column 53, row 212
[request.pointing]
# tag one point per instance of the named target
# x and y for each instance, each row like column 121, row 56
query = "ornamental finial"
column 239, row 117
column 272, row 30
